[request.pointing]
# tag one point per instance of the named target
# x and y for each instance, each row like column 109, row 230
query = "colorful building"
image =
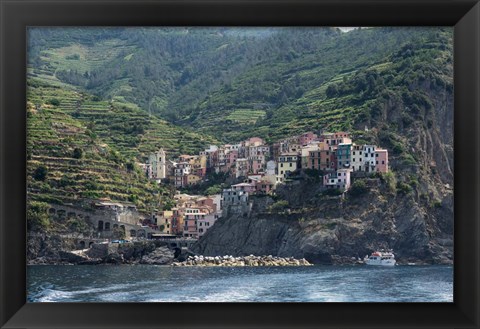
column 381, row 160
column 339, row 179
column 369, row 158
column 357, row 163
column 286, row 164
column 343, row 155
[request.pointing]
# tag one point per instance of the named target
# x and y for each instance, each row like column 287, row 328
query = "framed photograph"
column 239, row 164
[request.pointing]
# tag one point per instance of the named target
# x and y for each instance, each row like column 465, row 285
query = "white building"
column 339, row 179
column 357, row 163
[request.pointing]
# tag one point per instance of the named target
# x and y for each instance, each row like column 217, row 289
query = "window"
column 376, row 155
column 291, row 164
column 383, row 162
column 281, row 165
column 376, row 162
column 353, row 152
column 339, row 180
column 353, row 158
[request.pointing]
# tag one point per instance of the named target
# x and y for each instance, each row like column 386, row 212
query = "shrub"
column 40, row 173
column 73, row 57
column 403, row 188
column 390, row 180
column 53, row 101
column 279, row 205
column 408, row 160
column 77, row 153
column 359, row 187
column 118, row 233
column 37, row 216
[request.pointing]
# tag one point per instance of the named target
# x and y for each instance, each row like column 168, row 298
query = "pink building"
column 207, row 202
column 306, row 138
column 232, row 158
column 381, row 160
column 205, row 222
column 264, row 186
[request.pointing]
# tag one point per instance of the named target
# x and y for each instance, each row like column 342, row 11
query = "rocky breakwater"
column 242, row 261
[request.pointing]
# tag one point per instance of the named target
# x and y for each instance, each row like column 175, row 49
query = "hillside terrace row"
column 264, row 166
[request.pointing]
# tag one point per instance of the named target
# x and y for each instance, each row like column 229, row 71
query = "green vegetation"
column 279, row 206
column 37, row 216
column 332, row 192
column 403, row 188
column 40, row 173
column 390, row 180
column 359, row 187
column 100, row 100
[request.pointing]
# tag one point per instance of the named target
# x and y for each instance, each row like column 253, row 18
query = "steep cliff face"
column 333, row 229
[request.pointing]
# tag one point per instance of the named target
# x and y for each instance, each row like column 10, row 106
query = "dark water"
column 147, row 283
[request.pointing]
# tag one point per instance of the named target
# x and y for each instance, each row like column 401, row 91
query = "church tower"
column 161, row 164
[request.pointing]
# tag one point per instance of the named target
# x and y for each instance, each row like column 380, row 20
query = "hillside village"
column 256, row 168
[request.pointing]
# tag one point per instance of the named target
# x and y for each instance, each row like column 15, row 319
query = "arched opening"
column 107, row 226
column 100, row 225
column 52, row 211
column 177, row 252
column 133, row 233
column 81, row 245
column 90, row 244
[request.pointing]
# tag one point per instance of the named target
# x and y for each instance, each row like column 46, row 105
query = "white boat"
column 381, row 258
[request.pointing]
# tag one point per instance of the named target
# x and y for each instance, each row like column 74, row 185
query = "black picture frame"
column 17, row 15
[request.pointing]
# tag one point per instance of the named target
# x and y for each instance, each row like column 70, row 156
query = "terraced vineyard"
column 245, row 116
column 89, row 147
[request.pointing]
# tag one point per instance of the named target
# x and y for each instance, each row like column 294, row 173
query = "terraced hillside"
column 88, row 148
column 123, row 126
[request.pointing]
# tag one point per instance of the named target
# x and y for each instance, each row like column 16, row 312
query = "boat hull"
column 380, row 262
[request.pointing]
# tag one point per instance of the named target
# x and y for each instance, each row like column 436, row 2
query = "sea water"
column 149, row 283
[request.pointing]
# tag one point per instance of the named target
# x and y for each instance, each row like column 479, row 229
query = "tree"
column 37, row 216
column 216, row 189
column 331, row 91
column 53, row 101
column 77, row 153
column 40, row 173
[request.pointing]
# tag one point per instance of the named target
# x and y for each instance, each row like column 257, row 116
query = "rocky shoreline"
column 242, row 261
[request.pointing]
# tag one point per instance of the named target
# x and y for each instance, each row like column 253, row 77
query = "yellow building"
column 193, row 179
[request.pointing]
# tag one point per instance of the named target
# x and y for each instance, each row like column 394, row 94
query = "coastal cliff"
column 332, row 230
